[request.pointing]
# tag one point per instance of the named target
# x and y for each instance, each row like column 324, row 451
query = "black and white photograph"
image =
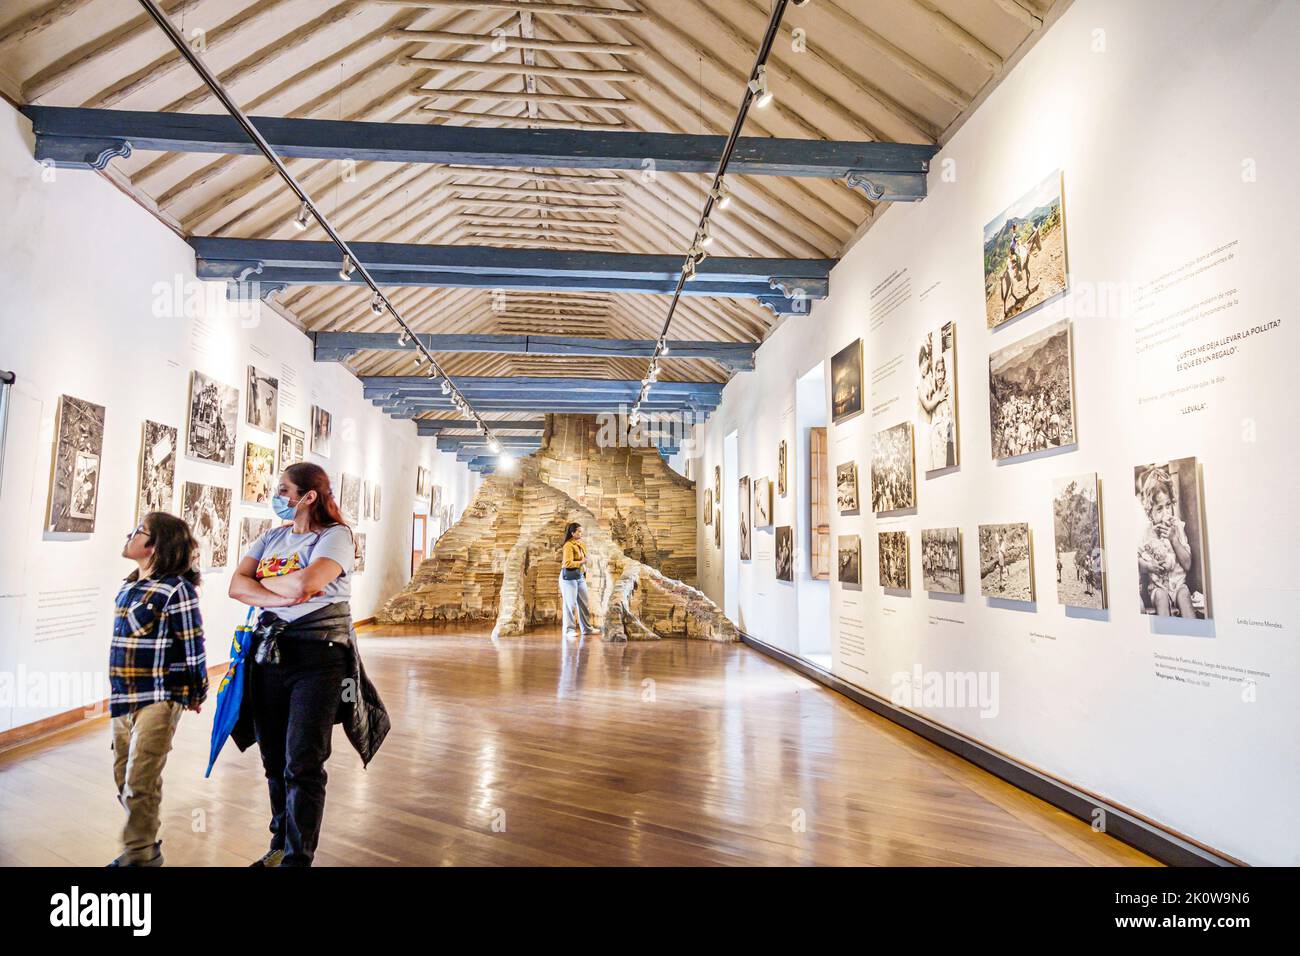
column 717, row 529
column 206, row 509
column 360, row 543
column 846, row 382
column 849, row 560
column 1006, row 562
column 322, row 430
column 1024, row 253
column 293, row 446
column 717, row 484
column 894, row 559
column 74, row 481
column 157, row 488
column 1031, row 393
column 366, row 501
column 762, row 503
column 250, row 529
column 780, row 469
column 1172, row 577
column 262, row 400
column 936, row 394
column 422, row 479
column 259, row 474
column 846, row 488
column 784, row 553
column 745, row 518
column 708, row 505
column 893, row 469
column 375, row 506
column 350, row 497
column 941, row 560
column 1076, row 522
column 214, row 416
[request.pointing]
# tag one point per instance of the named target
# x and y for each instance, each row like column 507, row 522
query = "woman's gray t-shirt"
column 280, row 551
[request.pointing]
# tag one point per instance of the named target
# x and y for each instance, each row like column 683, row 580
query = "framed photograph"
column 941, row 561
column 717, row 484
column 293, row 446
column 259, row 474
column 717, row 529
column 74, row 478
column 894, row 559
column 936, row 395
column 262, row 400
column 350, row 497
column 206, row 509
column 850, row 560
column 1031, row 394
column 359, row 539
column 214, row 416
column 846, row 488
column 762, row 503
column 893, row 471
column 366, row 501
column 322, row 430
column 846, row 382
column 1006, row 562
column 1172, row 578
column 708, row 505
column 376, row 502
column 784, row 553
column 1076, row 533
column 780, row 469
column 745, row 517
column 1024, row 253
column 250, row 529
column 157, row 488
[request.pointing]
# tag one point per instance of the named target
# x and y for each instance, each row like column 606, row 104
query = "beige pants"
column 141, row 741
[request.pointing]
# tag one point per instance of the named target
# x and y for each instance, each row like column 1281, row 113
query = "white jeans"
column 573, row 594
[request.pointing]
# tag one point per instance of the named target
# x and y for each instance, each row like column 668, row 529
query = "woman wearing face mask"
column 305, row 672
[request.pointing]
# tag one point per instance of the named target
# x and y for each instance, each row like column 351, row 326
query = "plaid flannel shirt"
column 157, row 652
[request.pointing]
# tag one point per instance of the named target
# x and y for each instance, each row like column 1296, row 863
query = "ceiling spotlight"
column 446, row 387
column 633, row 418
column 506, row 462
column 721, row 195
column 403, row 339
column 758, row 86
column 494, row 446
column 419, row 358
column 303, row 219
column 377, row 304
column 346, row 270
column 663, row 347
column 688, row 269
column 705, row 235
column 653, row 374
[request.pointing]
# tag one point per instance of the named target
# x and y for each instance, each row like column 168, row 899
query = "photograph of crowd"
column 941, row 560
column 214, row 413
column 1076, row 522
column 262, row 400
column 157, row 489
column 1006, row 562
column 893, row 472
column 1024, row 253
column 936, row 394
column 206, row 509
column 1172, row 580
column 1031, row 393
column 894, row 560
column 74, row 482
column 846, row 487
column 784, row 553
column 846, row 382
column 850, row 560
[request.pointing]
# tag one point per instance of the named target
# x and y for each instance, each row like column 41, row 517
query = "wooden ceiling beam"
column 514, row 69
column 553, row 9
column 502, row 41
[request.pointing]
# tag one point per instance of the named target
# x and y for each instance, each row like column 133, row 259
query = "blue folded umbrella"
column 230, row 694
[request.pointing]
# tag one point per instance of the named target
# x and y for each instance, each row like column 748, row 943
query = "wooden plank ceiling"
column 900, row 70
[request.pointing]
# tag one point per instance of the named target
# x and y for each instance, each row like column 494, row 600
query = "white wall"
column 1174, row 123
column 79, row 265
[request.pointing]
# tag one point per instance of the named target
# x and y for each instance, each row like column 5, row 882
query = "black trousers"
column 294, row 705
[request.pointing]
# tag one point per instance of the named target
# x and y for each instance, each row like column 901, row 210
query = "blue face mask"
column 280, row 505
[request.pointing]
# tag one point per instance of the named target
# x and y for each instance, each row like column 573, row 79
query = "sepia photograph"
column 893, row 471
column 365, row 500
column 762, row 503
column 157, row 488
column 1172, row 577
column 74, row 481
column 375, row 505
column 360, row 544
column 744, row 518
column 1006, row 562
column 846, row 488
column 941, row 560
column 780, row 469
column 322, row 429
column 849, row 560
column 1076, row 524
column 784, row 553
column 1024, row 253
column 936, row 394
column 708, row 505
column 846, row 382
column 214, row 414
column 894, row 560
column 262, row 400
column 717, row 484
column 1031, row 393
column 293, row 446
column 717, row 529
column 206, row 509
column 259, row 474
column 350, row 497
column 250, row 529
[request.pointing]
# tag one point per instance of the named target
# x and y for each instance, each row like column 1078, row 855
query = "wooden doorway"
column 419, row 535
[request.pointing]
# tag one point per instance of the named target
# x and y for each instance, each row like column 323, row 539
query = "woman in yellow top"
column 573, row 583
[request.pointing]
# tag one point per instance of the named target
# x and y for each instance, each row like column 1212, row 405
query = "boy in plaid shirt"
column 156, row 670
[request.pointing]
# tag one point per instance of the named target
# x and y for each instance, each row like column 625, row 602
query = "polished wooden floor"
column 530, row 751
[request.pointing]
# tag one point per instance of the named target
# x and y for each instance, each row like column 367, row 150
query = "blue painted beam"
column 435, row 426
column 447, row 443
column 403, row 409
column 471, row 384
column 337, row 346
column 89, row 138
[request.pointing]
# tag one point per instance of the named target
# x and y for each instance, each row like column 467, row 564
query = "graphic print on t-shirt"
column 276, row 565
